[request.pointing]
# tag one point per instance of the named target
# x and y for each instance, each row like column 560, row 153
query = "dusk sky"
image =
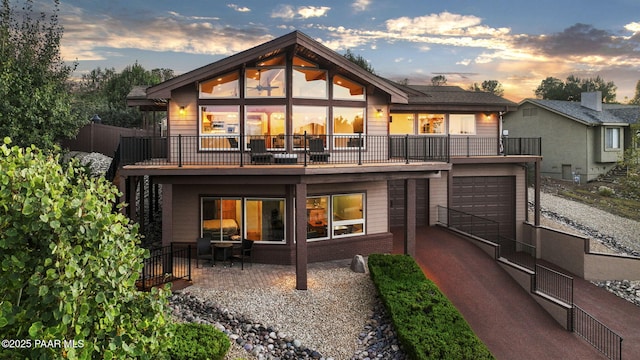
column 519, row 43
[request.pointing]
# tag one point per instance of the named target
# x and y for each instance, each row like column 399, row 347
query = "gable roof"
column 611, row 114
column 301, row 43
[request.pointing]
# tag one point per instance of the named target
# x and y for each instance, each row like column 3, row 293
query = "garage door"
column 396, row 202
column 490, row 197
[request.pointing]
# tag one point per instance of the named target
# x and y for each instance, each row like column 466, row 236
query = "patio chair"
column 317, row 152
column 233, row 142
column 243, row 251
column 203, row 250
column 259, row 154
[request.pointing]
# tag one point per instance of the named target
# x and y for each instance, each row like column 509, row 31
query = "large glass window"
column 462, row 124
column 346, row 217
column 224, row 86
column 401, row 124
column 346, row 89
column 265, row 82
column 219, row 127
column 431, row 124
column 267, row 122
column 308, row 81
column 347, row 124
column 612, row 138
column 348, row 214
column 221, row 218
column 309, row 119
column 265, row 220
column 317, row 217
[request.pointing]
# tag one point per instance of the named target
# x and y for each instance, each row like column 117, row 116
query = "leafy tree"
column 359, row 60
column 571, row 90
column 631, row 161
column 490, row 86
column 35, row 105
column 70, row 264
column 104, row 92
column 636, row 97
column 439, row 80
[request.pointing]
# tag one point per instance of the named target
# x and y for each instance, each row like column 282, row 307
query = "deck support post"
column 410, row 217
column 301, row 236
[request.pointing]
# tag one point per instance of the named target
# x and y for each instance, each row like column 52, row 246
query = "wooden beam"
column 301, row 236
column 410, row 217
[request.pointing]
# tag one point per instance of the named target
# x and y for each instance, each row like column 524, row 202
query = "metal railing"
column 518, row 252
column 553, row 283
column 358, row 149
column 165, row 264
column 605, row 340
column 468, row 146
column 546, row 281
column 469, row 223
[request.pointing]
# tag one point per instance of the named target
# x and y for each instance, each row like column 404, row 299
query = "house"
column 295, row 147
column 582, row 140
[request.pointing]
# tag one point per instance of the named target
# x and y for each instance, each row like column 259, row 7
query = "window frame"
column 221, row 199
column 224, row 134
column 427, row 116
column 245, row 210
column 332, row 223
column 609, row 143
column 219, row 79
column 469, row 117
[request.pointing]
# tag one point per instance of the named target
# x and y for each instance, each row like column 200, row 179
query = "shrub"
column 198, row 342
column 69, row 265
column 427, row 324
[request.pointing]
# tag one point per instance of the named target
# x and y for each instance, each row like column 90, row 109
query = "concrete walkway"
column 503, row 314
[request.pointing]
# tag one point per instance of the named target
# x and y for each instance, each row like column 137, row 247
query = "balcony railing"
column 307, row 149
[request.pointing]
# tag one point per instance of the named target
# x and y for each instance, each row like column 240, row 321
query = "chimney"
column 592, row 100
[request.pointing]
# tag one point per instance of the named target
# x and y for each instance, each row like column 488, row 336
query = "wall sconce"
column 379, row 113
column 182, row 111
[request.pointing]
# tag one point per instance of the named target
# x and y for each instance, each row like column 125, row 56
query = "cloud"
column 239, row 8
column 360, row 5
column 582, row 40
column 87, row 36
column 288, row 12
column 634, row 27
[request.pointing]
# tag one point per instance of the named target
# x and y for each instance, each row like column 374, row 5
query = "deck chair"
column 316, row 151
column 259, row 154
column 243, row 251
column 203, row 250
column 233, row 142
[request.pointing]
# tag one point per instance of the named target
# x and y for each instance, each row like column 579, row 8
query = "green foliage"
column 198, row 342
column 359, row 60
column 636, row 97
column 555, row 89
column 69, row 264
column 33, row 90
column 427, row 324
column 490, row 86
column 439, row 80
column 104, row 92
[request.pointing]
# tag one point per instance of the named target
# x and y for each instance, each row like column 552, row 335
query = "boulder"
column 358, row 264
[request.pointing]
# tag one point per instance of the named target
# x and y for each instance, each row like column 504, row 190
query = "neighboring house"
column 295, row 147
column 581, row 140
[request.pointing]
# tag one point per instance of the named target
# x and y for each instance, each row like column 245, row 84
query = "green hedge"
column 427, row 324
column 198, row 342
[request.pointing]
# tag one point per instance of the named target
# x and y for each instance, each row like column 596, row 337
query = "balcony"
column 305, row 150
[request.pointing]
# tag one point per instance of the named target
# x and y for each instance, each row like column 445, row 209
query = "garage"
column 490, row 197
